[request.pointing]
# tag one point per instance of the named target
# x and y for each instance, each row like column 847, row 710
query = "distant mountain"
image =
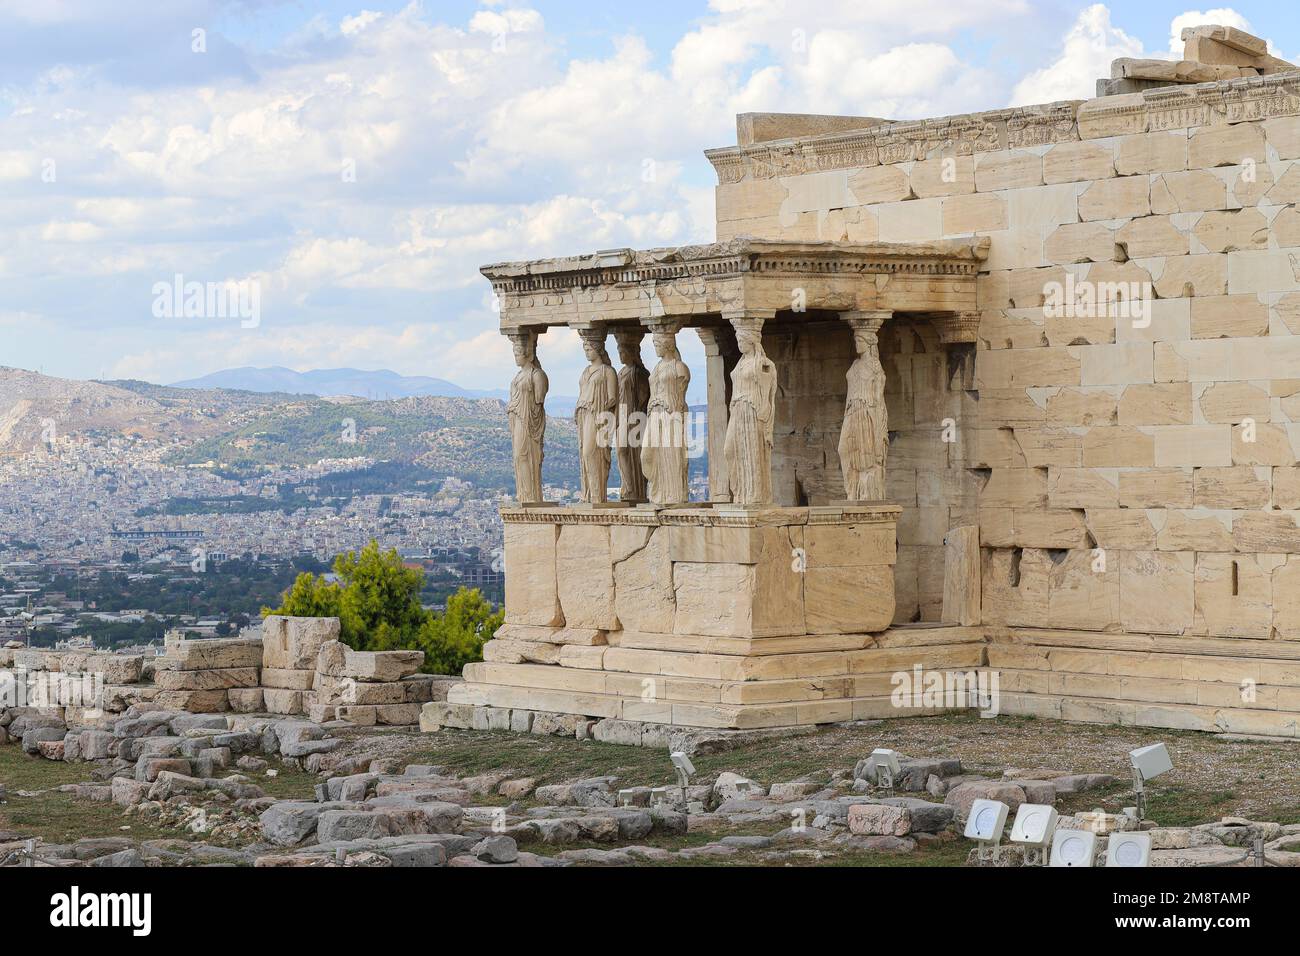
column 337, row 381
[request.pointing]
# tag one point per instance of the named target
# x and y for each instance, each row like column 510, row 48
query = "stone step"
column 686, row 714
column 1155, row 690
column 1179, row 666
column 686, row 689
column 1141, row 714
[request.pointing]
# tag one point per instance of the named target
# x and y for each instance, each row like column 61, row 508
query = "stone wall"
column 1091, row 432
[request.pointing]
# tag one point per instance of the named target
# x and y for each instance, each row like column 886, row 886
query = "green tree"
column 377, row 602
column 456, row 637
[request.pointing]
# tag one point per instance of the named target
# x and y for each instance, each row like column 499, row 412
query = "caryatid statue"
column 864, row 437
column 633, row 401
column 664, row 446
column 748, row 449
column 526, row 412
column 595, row 416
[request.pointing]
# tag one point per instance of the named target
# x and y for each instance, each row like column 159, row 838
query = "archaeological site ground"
column 997, row 567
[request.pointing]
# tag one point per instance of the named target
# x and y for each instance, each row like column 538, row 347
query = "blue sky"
column 474, row 131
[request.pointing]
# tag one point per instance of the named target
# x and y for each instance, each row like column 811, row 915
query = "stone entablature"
column 737, row 277
column 1168, row 108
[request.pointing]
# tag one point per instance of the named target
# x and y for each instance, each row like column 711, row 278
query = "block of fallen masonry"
column 195, row 701
column 1229, row 36
column 213, row 679
column 338, row 660
column 214, row 654
column 961, row 797
column 147, row 769
column 169, row 784
column 51, row 749
column 128, row 792
column 32, row 739
column 927, row 817
column 291, row 643
column 878, row 819
column 290, row 822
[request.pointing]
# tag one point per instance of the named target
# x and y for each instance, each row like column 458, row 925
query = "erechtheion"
column 1018, row 390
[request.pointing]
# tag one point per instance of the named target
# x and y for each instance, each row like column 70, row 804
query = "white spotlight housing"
column 1034, row 826
column 1151, row 761
column 987, row 820
column 1131, row 848
column 1074, row 848
column 883, row 766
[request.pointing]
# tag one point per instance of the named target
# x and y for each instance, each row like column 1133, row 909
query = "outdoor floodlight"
column 883, row 763
column 1148, row 763
column 1129, row 849
column 1073, row 848
column 985, row 823
column 684, row 771
column 1035, row 824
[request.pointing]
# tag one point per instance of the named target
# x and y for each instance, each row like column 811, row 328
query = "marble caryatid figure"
column 595, row 416
column 864, row 437
column 664, row 446
column 749, row 425
column 526, row 412
column 633, row 401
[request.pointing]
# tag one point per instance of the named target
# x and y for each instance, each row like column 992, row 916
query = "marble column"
column 633, row 403
column 526, row 412
column 596, row 415
column 751, row 415
column 721, row 355
column 864, row 436
column 664, row 451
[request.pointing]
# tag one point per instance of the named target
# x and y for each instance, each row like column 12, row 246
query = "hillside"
column 376, row 385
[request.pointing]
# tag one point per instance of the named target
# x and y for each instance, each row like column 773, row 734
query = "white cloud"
column 1089, row 47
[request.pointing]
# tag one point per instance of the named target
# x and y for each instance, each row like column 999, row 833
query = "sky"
column 355, row 161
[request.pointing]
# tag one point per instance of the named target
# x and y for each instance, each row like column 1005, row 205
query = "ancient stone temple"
column 1016, row 391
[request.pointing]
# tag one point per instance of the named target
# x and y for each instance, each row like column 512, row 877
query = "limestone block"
column 195, row 701
column 643, row 592
column 917, row 220
column 1078, row 162
column 1118, row 447
column 1283, row 134
column 1015, row 488
column 1007, row 169
column 1212, row 146
column 1234, row 597
column 532, row 596
column 1163, row 403
column 1084, row 591
column 1230, row 231
column 1191, row 275
column 215, row 654
column 1262, row 272
column 246, row 700
column 1195, row 190
column 280, row 701
column 1020, row 368
column 1153, row 236
column 978, row 213
column 946, row 176
column 1236, row 487
column 1181, row 445
column 1146, row 153
column 1196, row 531
column 1157, row 591
column 1286, row 599
column 1112, row 116
column 337, row 660
column 1228, row 316
column 1286, row 488
column 1121, row 364
column 275, row 642
column 1272, row 532
column 304, row 637
column 222, row 679
column 961, row 578
column 1156, row 488
column 287, row 679
column 1285, row 228
column 1082, row 406
column 585, row 577
column 1080, row 242
column 853, row 600
column 353, row 692
column 1203, row 361
column 880, row 184
column 838, row 545
column 1127, row 197
column 1125, row 529
column 1083, row 488
column 1268, row 445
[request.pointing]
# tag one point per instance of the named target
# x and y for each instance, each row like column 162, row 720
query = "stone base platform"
column 1179, row 683
column 718, row 684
